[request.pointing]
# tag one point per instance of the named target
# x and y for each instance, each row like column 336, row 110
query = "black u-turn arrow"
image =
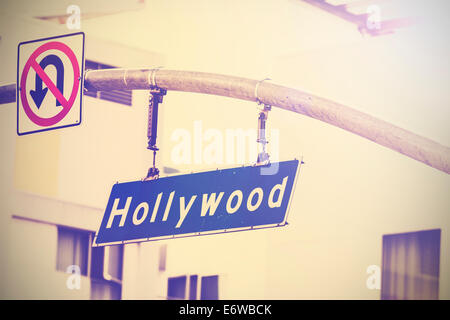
column 39, row 93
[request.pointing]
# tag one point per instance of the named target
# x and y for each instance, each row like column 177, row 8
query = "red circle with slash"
column 66, row 104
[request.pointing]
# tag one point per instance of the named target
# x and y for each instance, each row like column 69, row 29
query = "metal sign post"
column 381, row 132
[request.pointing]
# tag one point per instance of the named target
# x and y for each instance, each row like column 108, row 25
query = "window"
column 106, row 273
column 102, row 264
column 118, row 96
column 102, row 290
column 206, row 289
column 176, row 288
column 73, row 249
column 410, row 265
column 193, row 287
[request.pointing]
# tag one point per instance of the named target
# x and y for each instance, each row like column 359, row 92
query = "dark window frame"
column 419, row 268
column 192, row 287
column 93, row 267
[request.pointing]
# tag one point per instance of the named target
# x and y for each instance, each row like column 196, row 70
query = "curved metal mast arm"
column 364, row 125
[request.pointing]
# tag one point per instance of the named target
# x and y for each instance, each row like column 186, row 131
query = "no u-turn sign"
column 50, row 83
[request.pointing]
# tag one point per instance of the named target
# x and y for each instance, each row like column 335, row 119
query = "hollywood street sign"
column 193, row 204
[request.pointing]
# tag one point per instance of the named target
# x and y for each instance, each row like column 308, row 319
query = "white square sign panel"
column 50, row 83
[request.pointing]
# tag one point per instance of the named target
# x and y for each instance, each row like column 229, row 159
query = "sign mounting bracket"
column 155, row 98
column 263, row 113
column 263, row 156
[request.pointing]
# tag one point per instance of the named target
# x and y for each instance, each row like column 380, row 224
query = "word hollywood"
column 210, row 203
column 207, row 201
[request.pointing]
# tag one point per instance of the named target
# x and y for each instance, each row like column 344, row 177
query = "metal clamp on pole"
column 155, row 98
column 263, row 113
column 263, row 156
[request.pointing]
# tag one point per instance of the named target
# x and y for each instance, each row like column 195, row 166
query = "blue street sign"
column 214, row 201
